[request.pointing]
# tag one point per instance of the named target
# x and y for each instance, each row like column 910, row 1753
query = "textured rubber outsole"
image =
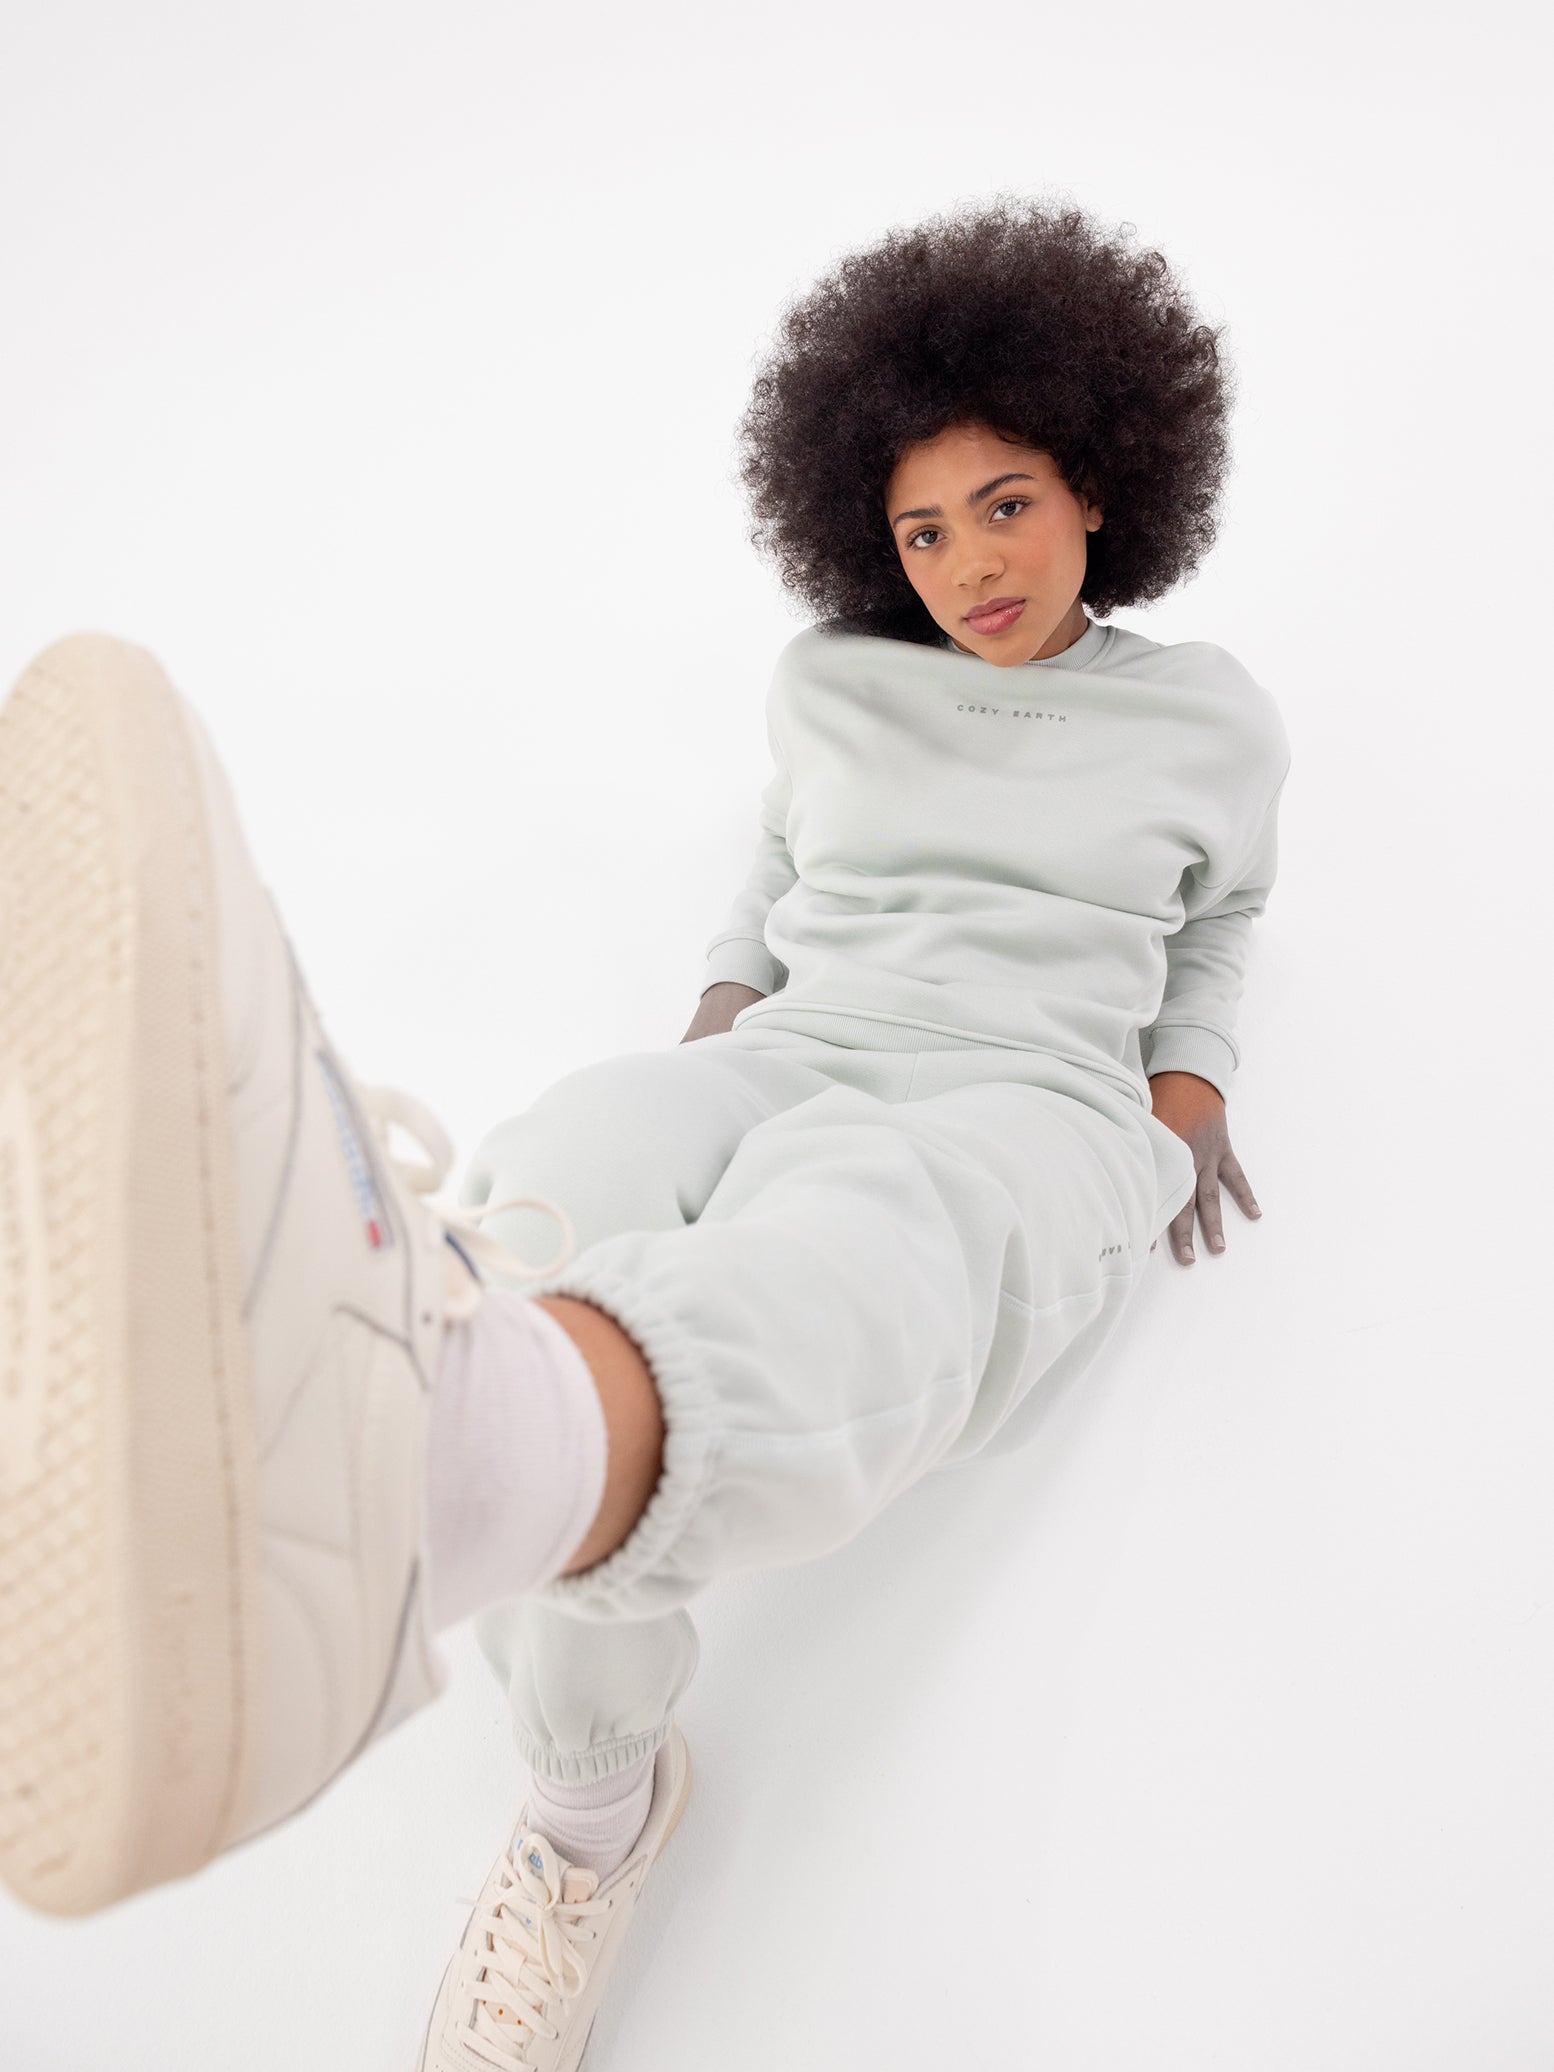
column 129, row 1550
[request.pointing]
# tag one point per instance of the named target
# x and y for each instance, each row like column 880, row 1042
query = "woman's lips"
column 995, row 621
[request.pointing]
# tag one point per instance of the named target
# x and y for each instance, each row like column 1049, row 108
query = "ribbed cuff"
column 1191, row 1047
column 741, row 960
column 578, row 1765
column 636, row 1581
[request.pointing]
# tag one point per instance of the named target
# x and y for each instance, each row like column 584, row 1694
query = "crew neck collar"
column 1087, row 649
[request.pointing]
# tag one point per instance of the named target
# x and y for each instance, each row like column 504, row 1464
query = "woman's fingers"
column 1208, row 1209
column 1205, row 1207
column 1215, row 1162
column 1237, row 1182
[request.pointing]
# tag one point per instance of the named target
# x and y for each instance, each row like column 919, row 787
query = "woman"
column 272, row 1421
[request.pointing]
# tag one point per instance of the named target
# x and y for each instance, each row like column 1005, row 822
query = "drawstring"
column 386, row 1104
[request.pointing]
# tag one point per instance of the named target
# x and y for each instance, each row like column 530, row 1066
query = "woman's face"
column 977, row 517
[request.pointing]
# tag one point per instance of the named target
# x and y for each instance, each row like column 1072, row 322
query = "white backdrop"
column 377, row 367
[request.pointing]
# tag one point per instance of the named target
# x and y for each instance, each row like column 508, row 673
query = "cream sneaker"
column 525, row 1983
column 221, row 1305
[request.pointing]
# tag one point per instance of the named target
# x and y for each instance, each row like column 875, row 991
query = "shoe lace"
column 524, row 1948
column 384, row 1105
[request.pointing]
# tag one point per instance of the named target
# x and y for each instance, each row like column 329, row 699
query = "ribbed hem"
column 853, row 1031
column 587, row 1765
column 608, row 1589
column 1086, row 1079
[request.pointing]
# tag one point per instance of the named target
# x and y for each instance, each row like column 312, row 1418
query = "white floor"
column 1211, row 1731
column 1215, row 1730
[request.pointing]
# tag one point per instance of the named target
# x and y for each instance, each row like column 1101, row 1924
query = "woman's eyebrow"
column 976, row 496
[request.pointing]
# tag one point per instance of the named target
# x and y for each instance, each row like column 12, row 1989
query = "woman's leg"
column 868, row 1291
column 631, row 1143
column 860, row 1292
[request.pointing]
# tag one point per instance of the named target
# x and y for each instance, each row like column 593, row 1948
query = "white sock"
column 516, row 1448
column 594, row 1824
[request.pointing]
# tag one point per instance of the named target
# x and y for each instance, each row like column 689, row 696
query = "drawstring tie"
column 384, row 1105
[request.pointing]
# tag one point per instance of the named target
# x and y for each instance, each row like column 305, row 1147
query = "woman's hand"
column 716, row 1009
column 1196, row 1111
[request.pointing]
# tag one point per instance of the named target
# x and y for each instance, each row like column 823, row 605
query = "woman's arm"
column 1190, row 1051
column 740, row 968
column 717, row 1008
column 1206, row 959
column 738, row 953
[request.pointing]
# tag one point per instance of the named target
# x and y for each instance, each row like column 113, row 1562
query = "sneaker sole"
column 129, row 1551
column 670, row 1825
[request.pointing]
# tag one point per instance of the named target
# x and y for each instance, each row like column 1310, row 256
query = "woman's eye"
column 1019, row 503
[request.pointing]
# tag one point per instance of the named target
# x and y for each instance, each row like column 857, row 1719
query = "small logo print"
column 369, row 1202
column 23, row 1297
column 1015, row 712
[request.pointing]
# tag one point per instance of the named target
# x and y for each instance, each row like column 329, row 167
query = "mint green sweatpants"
column 845, row 1267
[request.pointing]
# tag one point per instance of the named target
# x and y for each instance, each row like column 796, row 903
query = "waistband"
column 854, row 1030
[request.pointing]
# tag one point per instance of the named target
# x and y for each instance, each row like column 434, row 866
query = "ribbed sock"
column 516, row 1448
column 594, row 1824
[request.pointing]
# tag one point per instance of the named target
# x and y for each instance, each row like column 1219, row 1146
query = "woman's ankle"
column 633, row 1419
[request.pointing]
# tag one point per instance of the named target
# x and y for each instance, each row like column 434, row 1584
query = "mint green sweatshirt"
column 1065, row 855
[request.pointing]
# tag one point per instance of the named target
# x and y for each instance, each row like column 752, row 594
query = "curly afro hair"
column 1026, row 317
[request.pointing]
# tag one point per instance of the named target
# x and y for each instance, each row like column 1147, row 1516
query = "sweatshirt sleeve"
column 738, row 951
column 1206, row 960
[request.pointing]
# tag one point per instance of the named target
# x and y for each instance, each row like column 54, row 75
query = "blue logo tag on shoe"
column 369, row 1201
